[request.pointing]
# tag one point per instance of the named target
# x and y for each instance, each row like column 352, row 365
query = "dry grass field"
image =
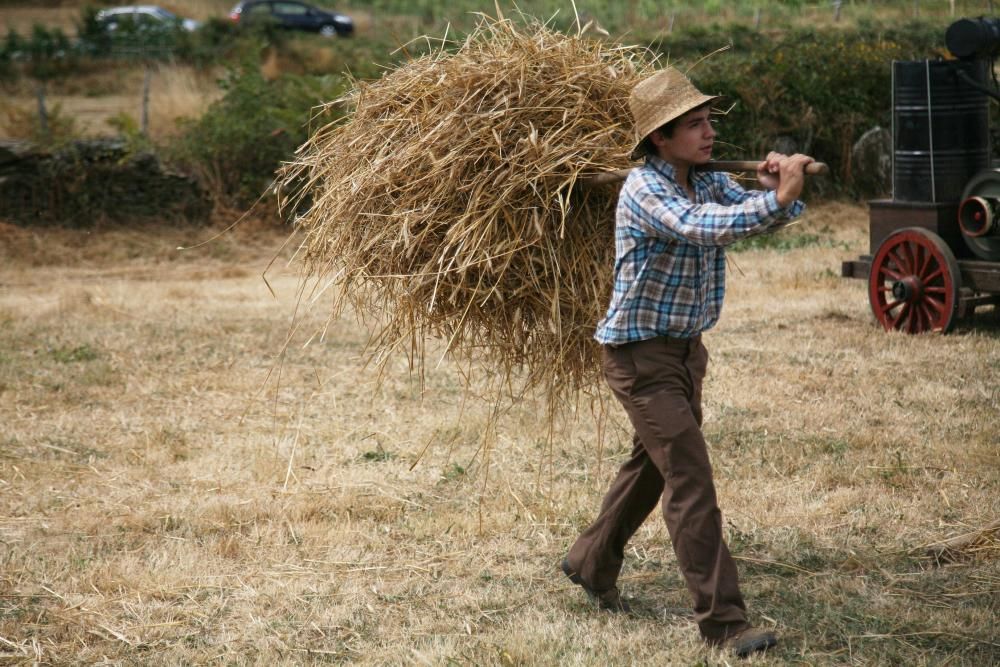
column 167, row 498
column 92, row 100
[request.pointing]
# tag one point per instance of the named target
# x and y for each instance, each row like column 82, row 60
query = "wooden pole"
column 146, row 80
column 812, row 169
column 43, row 113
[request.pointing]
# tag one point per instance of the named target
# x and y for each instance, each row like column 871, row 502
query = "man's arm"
column 659, row 211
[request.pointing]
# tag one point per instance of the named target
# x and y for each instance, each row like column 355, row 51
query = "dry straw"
column 444, row 206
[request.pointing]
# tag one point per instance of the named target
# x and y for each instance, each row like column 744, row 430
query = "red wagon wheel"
column 914, row 282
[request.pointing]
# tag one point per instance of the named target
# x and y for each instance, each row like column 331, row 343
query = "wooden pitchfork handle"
column 812, row 169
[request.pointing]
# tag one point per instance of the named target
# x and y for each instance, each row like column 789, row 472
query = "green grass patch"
column 72, row 355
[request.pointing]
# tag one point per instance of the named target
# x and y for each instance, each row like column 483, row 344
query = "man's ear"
column 656, row 136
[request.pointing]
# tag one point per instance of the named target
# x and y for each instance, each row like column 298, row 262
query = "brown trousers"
column 659, row 383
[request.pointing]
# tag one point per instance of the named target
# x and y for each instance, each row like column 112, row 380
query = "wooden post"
column 756, row 19
column 146, row 80
column 43, row 113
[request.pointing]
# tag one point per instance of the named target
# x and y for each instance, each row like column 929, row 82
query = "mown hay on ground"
column 446, row 204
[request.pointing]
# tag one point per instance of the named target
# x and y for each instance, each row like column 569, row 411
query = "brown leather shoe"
column 608, row 600
column 747, row 641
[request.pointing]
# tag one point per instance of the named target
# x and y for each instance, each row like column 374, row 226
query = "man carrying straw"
column 673, row 222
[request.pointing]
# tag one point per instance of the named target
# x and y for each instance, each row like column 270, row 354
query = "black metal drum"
column 941, row 136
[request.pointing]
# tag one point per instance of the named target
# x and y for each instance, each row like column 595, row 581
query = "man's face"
column 691, row 142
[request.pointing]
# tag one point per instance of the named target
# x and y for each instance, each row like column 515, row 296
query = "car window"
column 258, row 10
column 290, row 8
column 131, row 17
column 163, row 14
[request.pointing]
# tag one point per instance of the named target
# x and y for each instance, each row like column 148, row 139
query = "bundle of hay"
column 981, row 544
column 447, row 204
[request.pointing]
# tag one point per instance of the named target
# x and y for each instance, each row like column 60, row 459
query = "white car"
column 143, row 16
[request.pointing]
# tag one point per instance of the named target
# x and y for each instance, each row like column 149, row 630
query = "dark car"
column 293, row 16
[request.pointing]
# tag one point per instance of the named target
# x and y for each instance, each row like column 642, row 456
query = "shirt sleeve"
column 730, row 192
column 661, row 211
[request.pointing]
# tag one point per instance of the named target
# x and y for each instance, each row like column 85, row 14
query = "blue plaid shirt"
column 670, row 262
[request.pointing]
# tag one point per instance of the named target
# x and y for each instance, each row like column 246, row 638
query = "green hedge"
column 237, row 145
column 818, row 90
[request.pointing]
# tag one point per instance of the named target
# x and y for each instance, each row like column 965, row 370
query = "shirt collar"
column 666, row 169
column 662, row 166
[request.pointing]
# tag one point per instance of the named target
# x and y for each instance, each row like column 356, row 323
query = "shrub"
column 93, row 39
column 49, row 53
column 241, row 139
column 215, row 40
column 816, row 91
column 9, row 50
column 59, row 128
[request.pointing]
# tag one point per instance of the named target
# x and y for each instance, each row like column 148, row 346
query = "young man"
column 672, row 223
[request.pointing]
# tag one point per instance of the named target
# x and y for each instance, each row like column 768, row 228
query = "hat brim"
column 637, row 152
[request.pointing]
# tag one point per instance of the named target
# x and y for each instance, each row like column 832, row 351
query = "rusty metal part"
column 976, row 216
column 982, row 233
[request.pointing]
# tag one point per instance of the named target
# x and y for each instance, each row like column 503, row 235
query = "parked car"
column 293, row 16
column 143, row 17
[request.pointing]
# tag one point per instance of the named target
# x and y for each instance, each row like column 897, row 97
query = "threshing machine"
column 935, row 246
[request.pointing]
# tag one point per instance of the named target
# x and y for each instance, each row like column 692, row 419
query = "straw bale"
column 444, row 204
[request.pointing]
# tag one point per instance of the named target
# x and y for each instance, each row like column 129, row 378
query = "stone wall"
column 92, row 181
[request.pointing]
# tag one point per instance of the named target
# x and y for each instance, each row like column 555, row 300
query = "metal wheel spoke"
column 911, row 255
column 894, row 324
column 927, row 315
column 937, row 273
column 898, row 254
column 884, row 310
column 938, row 305
column 924, row 265
column 894, row 275
column 916, row 253
column 908, row 322
column 900, row 260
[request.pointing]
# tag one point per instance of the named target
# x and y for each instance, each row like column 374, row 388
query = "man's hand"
column 784, row 173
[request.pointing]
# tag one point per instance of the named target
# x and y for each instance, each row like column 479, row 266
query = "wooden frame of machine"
column 935, row 246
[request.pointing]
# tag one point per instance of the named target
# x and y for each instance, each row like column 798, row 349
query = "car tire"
column 328, row 31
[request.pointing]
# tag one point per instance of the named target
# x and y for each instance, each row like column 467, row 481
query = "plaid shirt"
column 670, row 262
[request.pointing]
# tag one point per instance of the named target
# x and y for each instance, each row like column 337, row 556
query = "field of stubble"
column 168, row 497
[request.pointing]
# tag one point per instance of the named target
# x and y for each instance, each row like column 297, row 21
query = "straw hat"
column 661, row 98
